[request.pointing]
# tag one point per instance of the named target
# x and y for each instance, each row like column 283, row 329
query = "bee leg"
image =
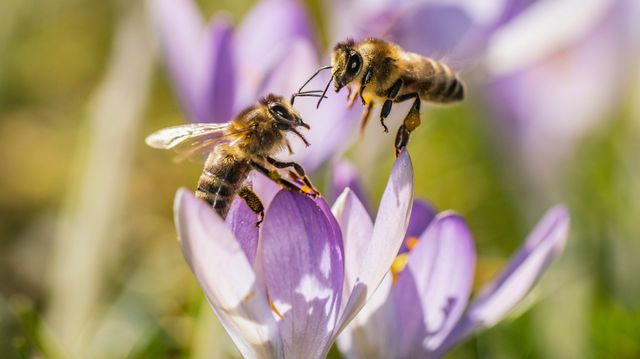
column 351, row 97
column 365, row 117
column 275, row 177
column 386, row 109
column 360, row 94
column 253, row 201
column 363, row 84
column 411, row 122
column 388, row 103
column 298, row 170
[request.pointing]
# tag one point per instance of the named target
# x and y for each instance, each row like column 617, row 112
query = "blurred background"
column 89, row 262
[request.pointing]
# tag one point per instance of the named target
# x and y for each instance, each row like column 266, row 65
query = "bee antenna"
column 307, row 95
column 325, row 90
column 306, row 143
column 309, row 80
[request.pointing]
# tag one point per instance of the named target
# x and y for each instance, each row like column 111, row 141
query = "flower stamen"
column 398, row 266
column 274, row 309
column 411, row 242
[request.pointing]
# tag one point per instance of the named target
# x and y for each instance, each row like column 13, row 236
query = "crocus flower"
column 421, row 311
column 288, row 288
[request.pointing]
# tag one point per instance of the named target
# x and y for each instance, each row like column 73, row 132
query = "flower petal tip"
column 553, row 228
column 402, row 170
column 181, row 201
column 449, row 213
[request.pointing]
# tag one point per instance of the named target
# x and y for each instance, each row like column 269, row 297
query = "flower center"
column 400, row 262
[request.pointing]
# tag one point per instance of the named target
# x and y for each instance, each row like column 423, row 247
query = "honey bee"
column 383, row 73
column 234, row 149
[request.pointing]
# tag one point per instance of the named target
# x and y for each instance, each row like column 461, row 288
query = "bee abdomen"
column 454, row 90
column 218, row 192
column 443, row 86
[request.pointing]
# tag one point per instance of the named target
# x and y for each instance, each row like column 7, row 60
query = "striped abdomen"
column 440, row 83
column 221, row 179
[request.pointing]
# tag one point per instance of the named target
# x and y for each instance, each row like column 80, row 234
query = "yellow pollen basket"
column 367, row 97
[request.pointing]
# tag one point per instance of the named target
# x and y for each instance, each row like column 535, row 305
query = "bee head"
column 285, row 116
column 346, row 62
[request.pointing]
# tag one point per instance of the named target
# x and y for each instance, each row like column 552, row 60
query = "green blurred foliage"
column 53, row 57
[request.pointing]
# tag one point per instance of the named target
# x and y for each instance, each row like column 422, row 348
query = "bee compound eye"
column 280, row 111
column 354, row 63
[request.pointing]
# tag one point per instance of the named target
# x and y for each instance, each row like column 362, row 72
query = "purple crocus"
column 290, row 287
column 421, row 311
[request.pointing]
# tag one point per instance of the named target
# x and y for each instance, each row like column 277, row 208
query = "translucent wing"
column 172, row 137
column 192, row 140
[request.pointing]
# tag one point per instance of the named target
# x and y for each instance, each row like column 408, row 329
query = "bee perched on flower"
column 288, row 289
column 246, row 143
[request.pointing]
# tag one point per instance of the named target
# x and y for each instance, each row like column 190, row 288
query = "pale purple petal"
column 181, row 30
column 345, row 175
column 351, row 18
column 512, row 8
column 390, row 224
column 356, row 226
column 301, row 259
column 242, row 221
column 421, row 216
column 293, row 70
column 442, row 265
column 499, row 297
column 264, row 39
column 435, row 29
column 216, row 83
column 264, row 187
column 226, row 277
column 409, row 317
column 387, row 236
column 375, row 331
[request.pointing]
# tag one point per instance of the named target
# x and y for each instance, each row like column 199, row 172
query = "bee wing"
column 172, row 137
column 192, row 140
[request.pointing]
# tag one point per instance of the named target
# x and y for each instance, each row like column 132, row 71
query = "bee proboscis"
column 234, row 149
column 381, row 72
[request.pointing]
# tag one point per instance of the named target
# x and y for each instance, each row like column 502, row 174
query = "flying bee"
column 381, row 72
column 234, row 149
